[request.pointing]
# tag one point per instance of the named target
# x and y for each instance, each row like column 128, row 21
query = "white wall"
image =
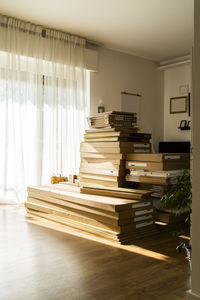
column 195, row 291
column 173, row 79
column 119, row 72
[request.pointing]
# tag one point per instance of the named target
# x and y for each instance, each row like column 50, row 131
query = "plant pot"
column 188, row 250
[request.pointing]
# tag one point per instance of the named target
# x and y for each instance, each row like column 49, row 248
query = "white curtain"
column 43, row 105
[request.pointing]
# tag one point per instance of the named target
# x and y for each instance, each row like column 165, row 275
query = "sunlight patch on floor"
column 20, row 210
column 63, row 228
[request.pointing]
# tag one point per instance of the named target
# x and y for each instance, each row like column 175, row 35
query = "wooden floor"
column 38, row 260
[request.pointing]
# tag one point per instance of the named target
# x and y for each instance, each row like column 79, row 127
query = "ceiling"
column 154, row 29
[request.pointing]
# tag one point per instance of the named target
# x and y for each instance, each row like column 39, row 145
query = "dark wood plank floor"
column 40, row 261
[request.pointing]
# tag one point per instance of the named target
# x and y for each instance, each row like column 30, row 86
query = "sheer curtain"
column 43, row 105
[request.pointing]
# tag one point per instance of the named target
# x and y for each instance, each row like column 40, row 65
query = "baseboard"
column 192, row 296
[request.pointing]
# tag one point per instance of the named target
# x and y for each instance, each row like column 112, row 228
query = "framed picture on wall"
column 178, row 105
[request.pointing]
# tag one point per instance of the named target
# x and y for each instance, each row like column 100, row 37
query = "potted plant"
column 179, row 198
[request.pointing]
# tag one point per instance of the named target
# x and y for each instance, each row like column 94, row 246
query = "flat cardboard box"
column 112, row 150
column 116, row 192
column 111, row 129
column 157, row 166
column 102, row 182
column 116, row 139
column 90, row 134
column 111, row 193
column 106, row 156
column 117, row 144
column 103, row 164
column 159, row 157
column 148, row 179
column 72, row 194
column 106, row 139
column 112, row 178
column 157, row 190
column 93, row 133
column 166, row 174
column 170, row 218
column 108, row 172
column 103, row 161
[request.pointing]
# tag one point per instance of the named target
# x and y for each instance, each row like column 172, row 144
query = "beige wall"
column 119, row 72
column 195, row 292
column 174, row 78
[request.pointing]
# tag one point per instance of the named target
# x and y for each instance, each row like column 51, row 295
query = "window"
column 43, row 110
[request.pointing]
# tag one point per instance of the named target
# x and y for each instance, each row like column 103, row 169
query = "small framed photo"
column 178, row 105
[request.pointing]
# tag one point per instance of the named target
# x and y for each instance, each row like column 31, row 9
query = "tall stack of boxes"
column 103, row 152
column 157, row 172
column 112, row 135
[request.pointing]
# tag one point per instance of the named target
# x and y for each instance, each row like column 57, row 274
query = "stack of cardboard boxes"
column 118, row 219
column 104, row 149
column 157, row 172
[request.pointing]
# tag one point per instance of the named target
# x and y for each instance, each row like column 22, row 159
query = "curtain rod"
column 95, row 43
column 92, row 42
column 131, row 94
